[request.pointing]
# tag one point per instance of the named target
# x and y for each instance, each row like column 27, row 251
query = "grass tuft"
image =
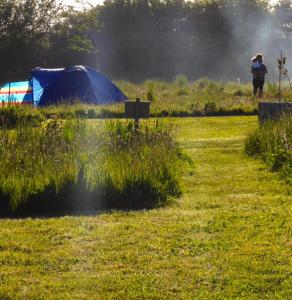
column 272, row 141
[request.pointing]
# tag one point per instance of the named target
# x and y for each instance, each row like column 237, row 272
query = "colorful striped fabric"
column 16, row 93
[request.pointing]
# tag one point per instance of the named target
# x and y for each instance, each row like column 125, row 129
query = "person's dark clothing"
column 258, row 84
column 259, row 72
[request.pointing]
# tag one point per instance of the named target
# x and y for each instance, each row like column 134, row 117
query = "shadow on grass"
column 10, row 120
column 77, row 199
column 106, row 114
column 186, row 114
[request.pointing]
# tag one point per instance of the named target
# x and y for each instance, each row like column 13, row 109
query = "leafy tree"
column 74, row 39
column 24, row 27
column 138, row 39
column 283, row 16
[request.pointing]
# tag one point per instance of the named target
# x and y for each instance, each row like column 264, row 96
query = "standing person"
column 259, row 71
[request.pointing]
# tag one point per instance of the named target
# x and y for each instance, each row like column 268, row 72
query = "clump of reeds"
column 35, row 158
column 273, row 143
column 148, row 157
column 127, row 168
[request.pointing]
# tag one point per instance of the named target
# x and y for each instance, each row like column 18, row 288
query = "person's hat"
column 253, row 58
column 258, row 55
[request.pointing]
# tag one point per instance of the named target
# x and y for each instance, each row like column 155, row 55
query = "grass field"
column 229, row 236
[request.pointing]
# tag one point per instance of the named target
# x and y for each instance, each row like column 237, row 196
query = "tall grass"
column 11, row 116
column 201, row 97
column 273, row 143
column 177, row 98
column 35, row 158
column 110, row 163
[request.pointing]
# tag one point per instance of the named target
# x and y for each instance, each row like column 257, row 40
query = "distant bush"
column 202, row 82
column 210, row 108
column 214, row 87
column 273, row 143
column 181, row 80
column 109, row 164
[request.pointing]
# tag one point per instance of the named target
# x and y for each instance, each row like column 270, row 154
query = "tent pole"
column 9, row 93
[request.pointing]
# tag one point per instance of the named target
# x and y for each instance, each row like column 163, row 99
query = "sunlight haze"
column 95, row 2
column 77, row 3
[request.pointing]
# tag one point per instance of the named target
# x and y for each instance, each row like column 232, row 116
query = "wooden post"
column 273, row 110
column 136, row 110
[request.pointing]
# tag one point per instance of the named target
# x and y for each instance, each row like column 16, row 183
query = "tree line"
column 139, row 39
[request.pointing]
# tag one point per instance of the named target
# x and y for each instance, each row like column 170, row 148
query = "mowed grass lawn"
column 229, row 236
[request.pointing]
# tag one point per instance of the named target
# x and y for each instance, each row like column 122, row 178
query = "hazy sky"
column 74, row 2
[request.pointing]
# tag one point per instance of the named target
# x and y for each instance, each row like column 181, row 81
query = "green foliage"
column 273, row 143
column 128, row 168
column 25, row 32
column 73, row 40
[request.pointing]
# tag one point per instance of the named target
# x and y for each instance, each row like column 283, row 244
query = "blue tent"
column 16, row 93
column 52, row 86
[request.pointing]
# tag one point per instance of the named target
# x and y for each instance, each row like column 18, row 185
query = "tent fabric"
column 85, row 84
column 16, row 93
